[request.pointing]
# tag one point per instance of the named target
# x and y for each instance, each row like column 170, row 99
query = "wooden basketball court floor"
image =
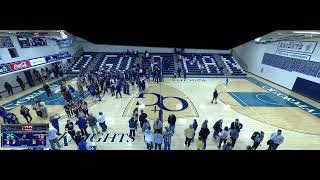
column 191, row 99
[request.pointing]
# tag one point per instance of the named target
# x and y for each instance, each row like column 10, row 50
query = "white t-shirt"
column 52, row 133
column 101, row 118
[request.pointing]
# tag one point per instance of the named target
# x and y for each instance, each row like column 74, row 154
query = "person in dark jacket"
column 25, row 112
column 179, row 72
column 20, row 82
column 8, row 87
column 78, row 137
column 195, row 127
column 70, row 129
column 204, row 133
column 234, row 135
column 46, row 87
column 257, row 140
column 132, row 126
column 215, row 96
column 217, row 127
column 172, row 122
column 236, row 125
column 184, row 75
column 142, row 118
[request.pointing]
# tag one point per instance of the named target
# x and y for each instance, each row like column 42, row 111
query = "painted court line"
column 243, row 102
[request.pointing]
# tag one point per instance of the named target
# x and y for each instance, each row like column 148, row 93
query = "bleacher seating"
column 207, row 61
column 232, row 65
column 310, row 68
column 115, row 61
column 82, row 62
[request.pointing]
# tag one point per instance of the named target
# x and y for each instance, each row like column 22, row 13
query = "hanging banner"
column 19, row 65
column 37, row 61
column 298, row 46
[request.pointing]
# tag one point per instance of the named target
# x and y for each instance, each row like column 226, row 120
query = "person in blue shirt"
column 55, row 122
column 118, row 90
column 71, row 88
column 82, row 145
column 82, row 124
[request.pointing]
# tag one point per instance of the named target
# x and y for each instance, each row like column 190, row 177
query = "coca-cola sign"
column 19, row 65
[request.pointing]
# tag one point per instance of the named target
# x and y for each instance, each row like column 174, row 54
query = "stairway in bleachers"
column 232, row 66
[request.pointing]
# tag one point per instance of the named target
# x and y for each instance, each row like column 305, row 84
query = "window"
column 13, row 52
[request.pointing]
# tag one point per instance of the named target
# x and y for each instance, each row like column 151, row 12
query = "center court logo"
column 170, row 100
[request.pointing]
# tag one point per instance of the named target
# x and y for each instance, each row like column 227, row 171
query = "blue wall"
column 307, row 88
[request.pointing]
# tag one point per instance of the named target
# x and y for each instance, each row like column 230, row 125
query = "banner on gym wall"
column 297, row 46
column 37, row 61
column 19, row 65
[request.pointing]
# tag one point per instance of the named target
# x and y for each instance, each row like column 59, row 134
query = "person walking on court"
column 167, row 138
column 275, row 140
column 132, row 127
column 179, row 72
column 148, row 137
column 46, row 88
column 55, row 122
column 53, row 138
column 157, row 126
column 199, row 144
column 184, row 75
column 234, row 135
column 227, row 82
column 204, row 133
column 102, row 122
column 92, row 121
column 189, row 133
column 142, row 118
column 236, row 125
column 20, row 82
column 82, row 124
column 257, row 139
column 195, row 127
column 158, row 139
column 78, row 137
column 8, row 87
column 215, row 96
column 118, row 90
column 25, row 112
column 172, row 122
column 223, row 136
column 70, row 129
column 217, row 127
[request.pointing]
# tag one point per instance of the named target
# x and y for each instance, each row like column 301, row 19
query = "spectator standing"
column 189, row 133
column 257, row 139
column 53, row 138
column 92, row 121
column 8, row 87
column 148, row 137
column 217, row 127
column 275, row 140
column 102, row 122
column 172, row 122
column 20, row 82
column 204, row 133
column 70, row 129
column 195, row 127
column 25, row 112
column 215, row 96
column 234, row 135
column 158, row 138
column 55, row 122
column 167, row 138
column 82, row 124
column 223, row 136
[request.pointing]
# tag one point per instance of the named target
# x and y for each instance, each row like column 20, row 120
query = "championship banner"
column 19, row 65
column 298, row 46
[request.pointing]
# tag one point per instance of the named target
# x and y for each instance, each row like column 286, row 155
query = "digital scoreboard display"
column 24, row 135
